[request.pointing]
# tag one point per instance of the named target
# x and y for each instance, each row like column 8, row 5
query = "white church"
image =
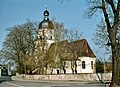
column 64, row 57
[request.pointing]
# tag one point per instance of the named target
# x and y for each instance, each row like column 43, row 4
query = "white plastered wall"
column 88, row 67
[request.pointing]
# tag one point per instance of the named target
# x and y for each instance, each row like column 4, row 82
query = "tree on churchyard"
column 19, row 46
column 99, row 66
column 109, row 30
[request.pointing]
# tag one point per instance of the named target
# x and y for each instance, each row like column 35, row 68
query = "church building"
column 63, row 57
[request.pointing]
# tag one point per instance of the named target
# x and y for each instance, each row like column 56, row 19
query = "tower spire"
column 46, row 23
column 46, row 13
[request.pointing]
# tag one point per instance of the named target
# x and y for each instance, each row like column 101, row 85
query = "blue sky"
column 70, row 12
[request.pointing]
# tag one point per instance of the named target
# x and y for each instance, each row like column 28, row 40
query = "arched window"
column 92, row 64
column 83, row 64
column 50, row 37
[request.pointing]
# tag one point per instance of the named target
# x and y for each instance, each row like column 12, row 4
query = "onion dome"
column 46, row 23
column 46, row 13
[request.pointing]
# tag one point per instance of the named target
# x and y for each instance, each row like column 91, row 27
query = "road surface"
column 49, row 84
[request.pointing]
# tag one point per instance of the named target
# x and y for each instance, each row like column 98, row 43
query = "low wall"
column 78, row 77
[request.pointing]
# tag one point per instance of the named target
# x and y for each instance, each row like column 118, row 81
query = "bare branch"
column 111, row 3
column 106, row 17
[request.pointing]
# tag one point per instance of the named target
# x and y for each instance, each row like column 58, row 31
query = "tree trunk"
column 116, row 66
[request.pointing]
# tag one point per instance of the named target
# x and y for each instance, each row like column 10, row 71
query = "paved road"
column 49, row 84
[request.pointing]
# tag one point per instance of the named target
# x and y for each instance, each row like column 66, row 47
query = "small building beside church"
column 63, row 57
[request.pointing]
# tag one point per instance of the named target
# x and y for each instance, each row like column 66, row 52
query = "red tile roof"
column 70, row 50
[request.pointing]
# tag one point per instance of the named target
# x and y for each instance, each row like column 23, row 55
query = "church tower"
column 46, row 29
column 45, row 37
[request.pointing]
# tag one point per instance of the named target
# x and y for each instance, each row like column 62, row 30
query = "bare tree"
column 73, row 34
column 59, row 30
column 111, row 14
column 51, row 61
column 62, row 49
column 19, row 42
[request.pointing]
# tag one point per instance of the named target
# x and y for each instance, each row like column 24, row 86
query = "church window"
column 64, row 63
column 92, row 64
column 40, row 37
column 50, row 37
column 83, row 64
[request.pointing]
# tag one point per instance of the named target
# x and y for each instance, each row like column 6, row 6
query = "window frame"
column 92, row 65
column 83, row 65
